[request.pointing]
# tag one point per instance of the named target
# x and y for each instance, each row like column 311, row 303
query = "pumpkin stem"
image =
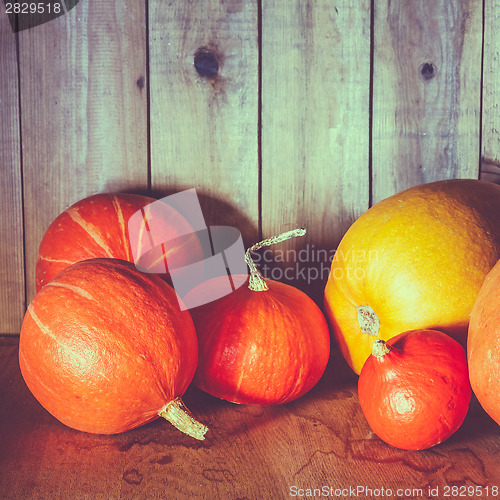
column 380, row 348
column 180, row 417
column 256, row 282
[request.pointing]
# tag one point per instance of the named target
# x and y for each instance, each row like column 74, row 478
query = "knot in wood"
column 428, row 71
column 206, row 63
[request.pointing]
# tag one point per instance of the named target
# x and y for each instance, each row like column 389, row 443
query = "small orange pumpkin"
column 264, row 344
column 414, row 389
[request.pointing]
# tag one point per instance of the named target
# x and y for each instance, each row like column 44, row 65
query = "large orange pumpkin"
column 413, row 261
column 97, row 227
column 483, row 345
column 105, row 348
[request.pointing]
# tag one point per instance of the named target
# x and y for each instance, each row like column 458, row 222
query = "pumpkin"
column 105, row 348
column 266, row 343
column 483, row 345
column 415, row 260
column 97, row 227
column 414, row 389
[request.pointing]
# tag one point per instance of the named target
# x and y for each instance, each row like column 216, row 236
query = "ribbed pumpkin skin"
column 97, row 227
column 417, row 395
column 483, row 345
column 91, row 228
column 104, row 347
column 261, row 348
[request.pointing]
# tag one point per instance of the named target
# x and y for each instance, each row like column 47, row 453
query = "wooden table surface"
column 320, row 441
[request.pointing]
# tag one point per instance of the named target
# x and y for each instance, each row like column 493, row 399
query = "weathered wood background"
column 318, row 110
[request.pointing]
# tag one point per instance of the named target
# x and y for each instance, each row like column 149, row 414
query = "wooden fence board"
column 84, row 113
column 490, row 170
column 12, row 294
column 491, row 94
column 426, row 92
column 315, row 127
column 84, row 88
column 203, row 129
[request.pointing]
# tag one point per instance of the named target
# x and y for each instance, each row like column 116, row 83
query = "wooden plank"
column 203, row 129
column 490, row 170
column 315, row 129
column 320, row 440
column 84, row 111
column 426, row 92
column 12, row 294
column 491, row 94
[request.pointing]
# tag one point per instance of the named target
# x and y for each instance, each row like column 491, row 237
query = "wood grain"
column 84, row 113
column 204, row 129
column 320, row 440
column 315, row 128
column 84, row 91
column 426, row 92
column 491, row 94
column 490, row 170
column 12, row 294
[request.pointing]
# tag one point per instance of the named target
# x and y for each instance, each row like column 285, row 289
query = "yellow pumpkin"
column 415, row 260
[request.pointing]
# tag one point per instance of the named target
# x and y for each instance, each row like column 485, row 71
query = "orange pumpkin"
column 414, row 390
column 264, row 344
column 105, row 348
column 97, row 227
column 483, row 345
column 414, row 260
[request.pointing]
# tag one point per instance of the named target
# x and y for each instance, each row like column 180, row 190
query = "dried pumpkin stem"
column 177, row 413
column 256, row 282
column 380, row 348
